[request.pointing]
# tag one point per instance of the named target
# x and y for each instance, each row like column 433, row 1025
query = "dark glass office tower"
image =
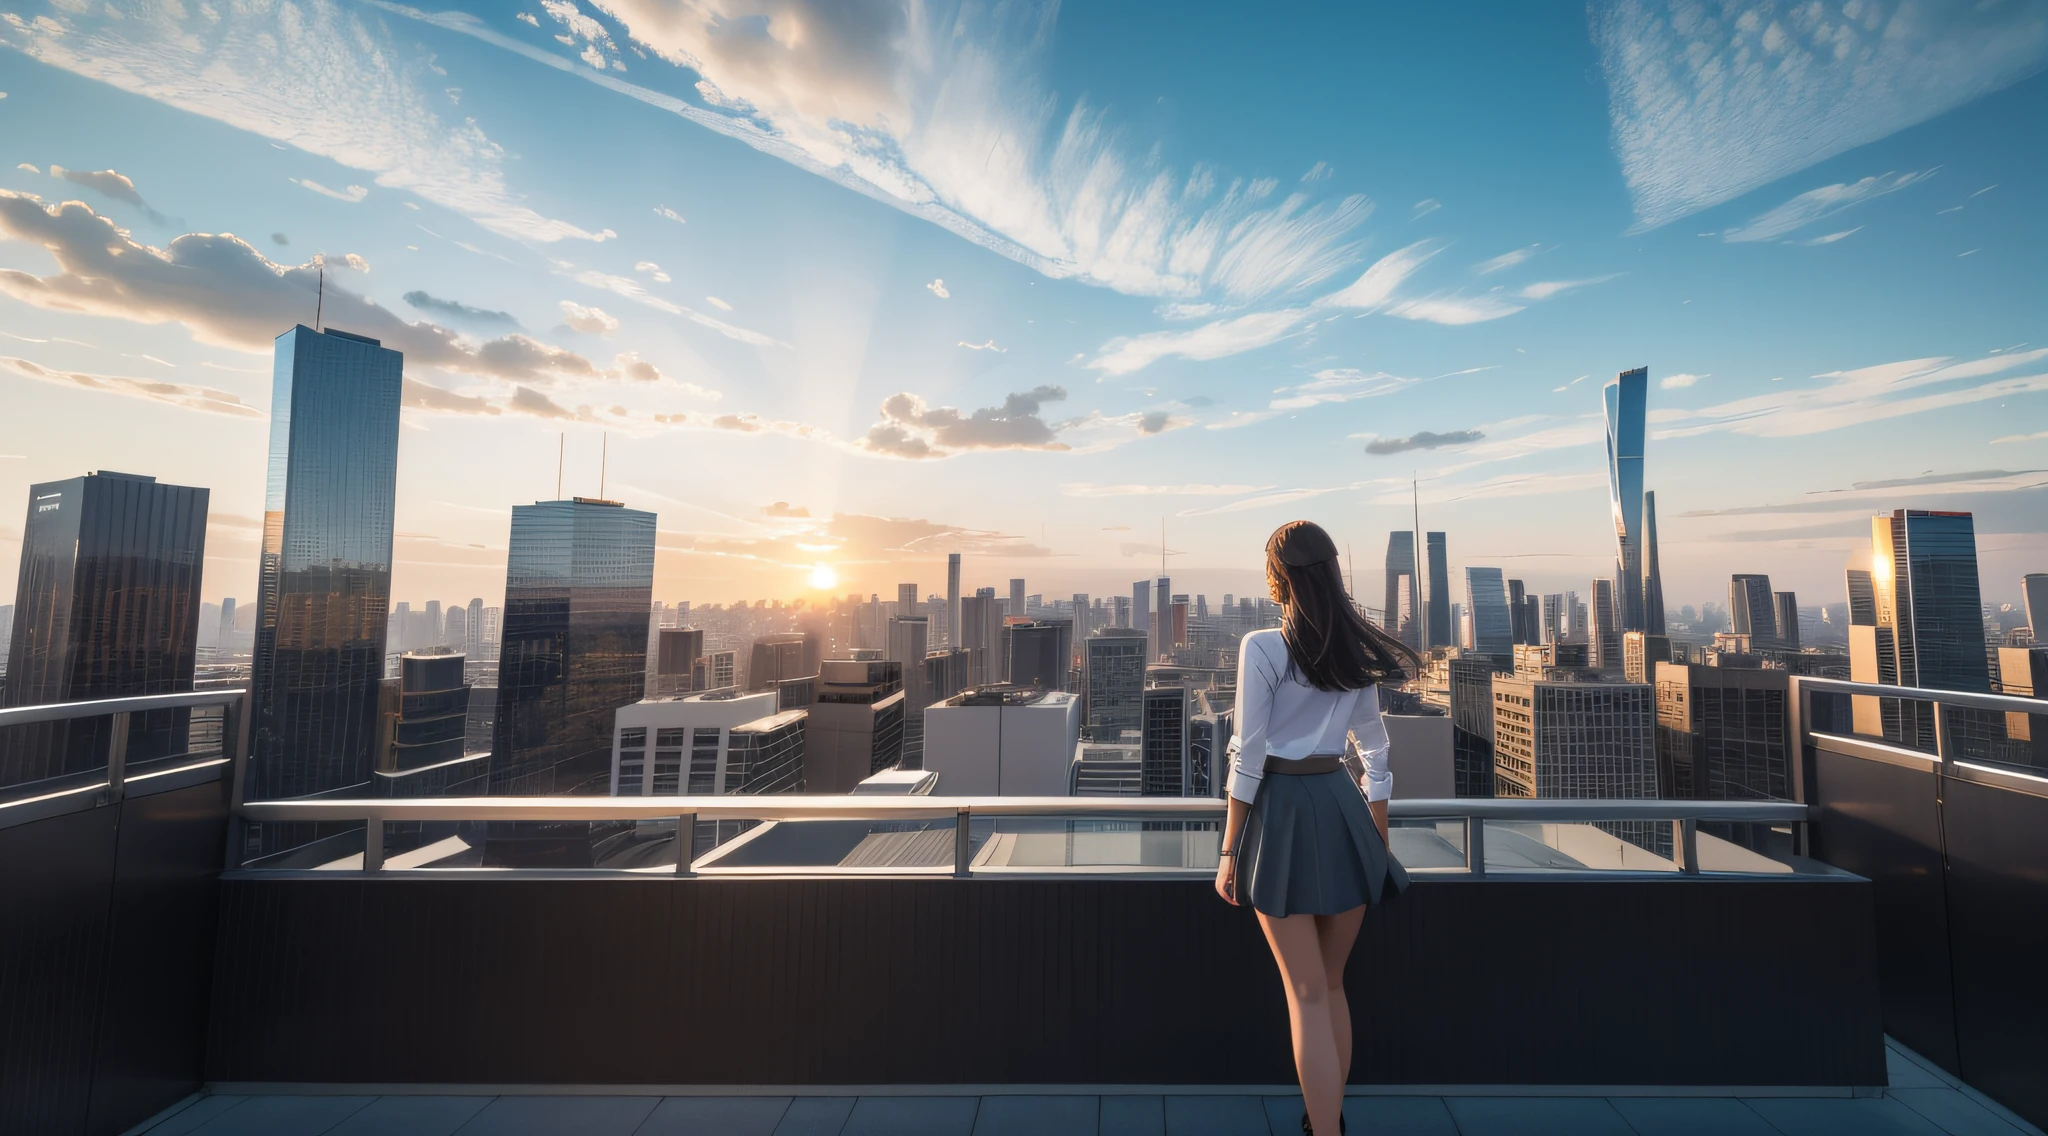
column 1929, row 625
column 1113, row 662
column 1627, row 400
column 1752, row 611
column 1400, row 562
column 1041, row 653
column 107, row 606
column 1653, row 570
column 1471, row 695
column 1486, row 598
column 579, row 579
column 1438, row 602
column 324, row 584
column 1165, row 740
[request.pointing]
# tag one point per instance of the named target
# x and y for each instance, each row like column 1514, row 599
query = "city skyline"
column 759, row 324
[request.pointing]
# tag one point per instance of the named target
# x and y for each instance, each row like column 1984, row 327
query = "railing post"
column 686, row 845
column 963, row 847
column 117, row 758
column 373, row 844
column 235, row 747
column 1475, row 845
column 1686, row 834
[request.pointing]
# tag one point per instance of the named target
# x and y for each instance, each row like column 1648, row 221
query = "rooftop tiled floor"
column 1920, row 1102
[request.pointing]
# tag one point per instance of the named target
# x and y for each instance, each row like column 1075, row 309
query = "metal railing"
column 1946, row 757
column 1684, row 817
column 109, row 783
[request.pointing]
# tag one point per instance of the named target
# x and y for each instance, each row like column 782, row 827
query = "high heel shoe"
column 1308, row 1129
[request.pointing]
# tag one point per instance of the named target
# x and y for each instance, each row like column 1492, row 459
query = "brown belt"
column 1305, row 766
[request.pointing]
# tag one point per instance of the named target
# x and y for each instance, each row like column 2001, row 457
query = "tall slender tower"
column 324, row 585
column 1438, row 601
column 1627, row 397
column 1653, row 571
column 953, row 601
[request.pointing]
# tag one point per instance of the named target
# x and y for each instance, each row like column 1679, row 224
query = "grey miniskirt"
column 1310, row 847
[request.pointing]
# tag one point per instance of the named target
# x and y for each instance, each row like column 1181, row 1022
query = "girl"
column 1304, row 842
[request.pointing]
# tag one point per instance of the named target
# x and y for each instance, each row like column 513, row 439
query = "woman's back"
column 1280, row 715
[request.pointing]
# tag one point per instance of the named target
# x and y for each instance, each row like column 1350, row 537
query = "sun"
column 823, row 577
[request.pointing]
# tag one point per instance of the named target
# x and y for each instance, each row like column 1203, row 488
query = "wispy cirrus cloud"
column 1545, row 289
column 1709, row 102
column 1214, row 340
column 327, row 81
column 184, row 395
column 1816, row 204
column 1507, row 259
column 1855, row 397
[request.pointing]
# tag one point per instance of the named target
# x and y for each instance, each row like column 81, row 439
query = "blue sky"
column 860, row 285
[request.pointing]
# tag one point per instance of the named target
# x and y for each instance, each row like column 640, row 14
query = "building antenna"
column 320, row 294
column 1162, row 546
column 604, row 455
column 561, row 452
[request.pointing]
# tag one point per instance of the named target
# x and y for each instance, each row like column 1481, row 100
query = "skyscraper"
column 981, row 626
column 324, row 584
column 1603, row 638
column 1040, row 653
column 1723, row 733
column 1929, row 629
column 1785, row 606
column 856, row 725
column 1400, row 562
column 1437, row 602
column 1627, row 398
column 1573, row 739
column 1751, row 611
column 1114, row 670
column 107, row 606
column 225, row 643
column 2034, row 586
column 906, row 600
column 1486, row 597
column 1165, row 742
column 1141, row 617
column 1471, row 698
column 1016, row 598
column 1653, row 570
column 1162, row 615
column 579, row 579
column 953, row 600
column 909, row 644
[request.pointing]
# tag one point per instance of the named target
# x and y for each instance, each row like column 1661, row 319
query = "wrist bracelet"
column 1227, row 852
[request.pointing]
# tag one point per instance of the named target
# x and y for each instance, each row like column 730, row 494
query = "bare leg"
column 1337, row 933
column 1299, row 951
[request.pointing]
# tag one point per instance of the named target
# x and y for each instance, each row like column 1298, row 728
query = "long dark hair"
column 1329, row 642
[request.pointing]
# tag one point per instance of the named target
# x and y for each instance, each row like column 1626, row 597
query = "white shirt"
column 1280, row 715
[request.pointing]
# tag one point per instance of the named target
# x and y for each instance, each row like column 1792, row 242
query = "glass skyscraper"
column 324, row 586
column 579, row 579
column 1400, row 562
column 1929, row 629
column 1438, row 602
column 1653, row 570
column 1114, row 667
column 1627, row 398
column 107, row 606
column 1486, row 597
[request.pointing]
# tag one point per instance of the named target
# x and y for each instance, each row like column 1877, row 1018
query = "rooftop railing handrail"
column 100, row 707
column 2003, row 703
column 795, row 806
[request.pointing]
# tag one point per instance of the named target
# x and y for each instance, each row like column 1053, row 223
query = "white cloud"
column 175, row 394
column 312, row 74
column 1867, row 394
column 1710, row 102
column 1210, row 341
column 1506, row 260
column 631, row 289
column 1424, row 208
column 1454, row 310
column 1830, row 238
column 1816, row 204
column 1545, row 289
column 989, row 346
column 593, row 321
column 1317, row 172
column 652, row 270
column 944, row 114
column 665, row 211
column 1377, row 285
column 911, row 428
column 1679, row 381
column 1090, row 489
column 715, row 302
column 2043, row 435
column 938, row 288
column 351, row 195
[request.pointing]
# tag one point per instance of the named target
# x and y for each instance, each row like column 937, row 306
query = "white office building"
column 1002, row 742
column 677, row 744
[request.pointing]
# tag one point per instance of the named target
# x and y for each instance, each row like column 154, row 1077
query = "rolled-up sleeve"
column 1255, row 683
column 1373, row 744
